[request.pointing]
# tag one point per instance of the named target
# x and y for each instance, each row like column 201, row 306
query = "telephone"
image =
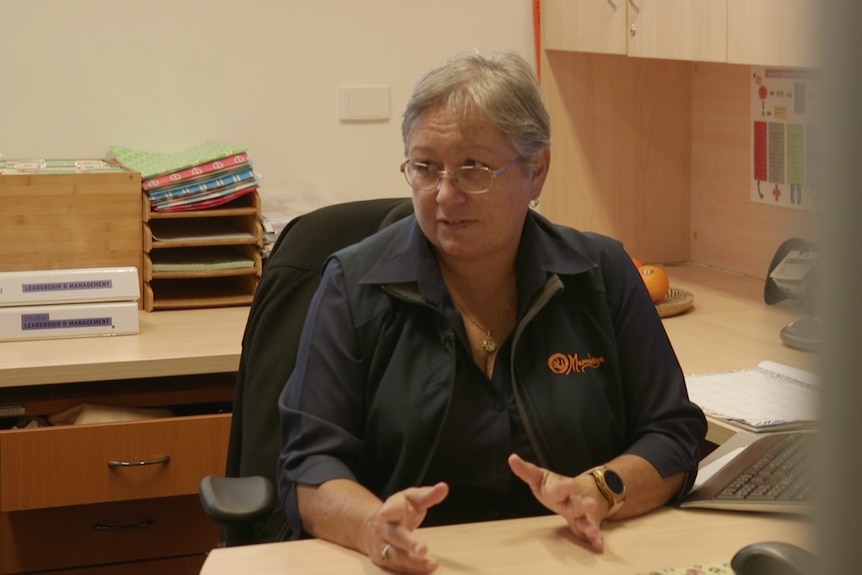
column 790, row 276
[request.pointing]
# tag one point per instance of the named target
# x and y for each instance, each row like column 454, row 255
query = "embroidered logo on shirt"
column 563, row 364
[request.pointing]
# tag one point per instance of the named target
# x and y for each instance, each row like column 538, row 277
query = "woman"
column 476, row 361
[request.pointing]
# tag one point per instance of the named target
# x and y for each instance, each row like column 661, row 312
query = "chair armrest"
column 237, row 500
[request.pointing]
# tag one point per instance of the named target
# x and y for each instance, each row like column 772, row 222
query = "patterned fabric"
column 151, row 164
column 720, row 568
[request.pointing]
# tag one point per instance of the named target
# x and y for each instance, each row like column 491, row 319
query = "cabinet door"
column 678, row 29
column 584, row 25
column 772, row 32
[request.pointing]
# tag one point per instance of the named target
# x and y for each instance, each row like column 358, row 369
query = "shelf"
column 200, row 292
column 204, row 258
column 247, row 205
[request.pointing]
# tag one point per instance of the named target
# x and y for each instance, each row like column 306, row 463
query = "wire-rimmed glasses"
column 470, row 179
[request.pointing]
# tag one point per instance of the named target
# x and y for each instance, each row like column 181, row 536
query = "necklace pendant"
column 489, row 344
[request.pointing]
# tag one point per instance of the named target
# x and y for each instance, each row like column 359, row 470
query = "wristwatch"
column 612, row 487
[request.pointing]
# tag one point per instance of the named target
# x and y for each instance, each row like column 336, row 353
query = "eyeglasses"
column 423, row 177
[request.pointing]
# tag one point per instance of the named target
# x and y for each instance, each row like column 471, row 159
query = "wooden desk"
column 666, row 538
column 150, row 516
column 169, row 343
column 190, row 356
column 729, row 327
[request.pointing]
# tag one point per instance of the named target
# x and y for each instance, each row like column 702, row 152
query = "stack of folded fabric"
column 202, row 177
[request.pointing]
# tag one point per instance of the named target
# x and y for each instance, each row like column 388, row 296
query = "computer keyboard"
column 774, row 473
column 782, row 473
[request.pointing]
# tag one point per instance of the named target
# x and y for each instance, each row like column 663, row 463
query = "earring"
column 534, row 203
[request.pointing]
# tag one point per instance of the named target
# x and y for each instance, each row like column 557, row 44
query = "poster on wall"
column 784, row 137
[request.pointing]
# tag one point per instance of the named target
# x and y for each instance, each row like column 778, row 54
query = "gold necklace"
column 489, row 344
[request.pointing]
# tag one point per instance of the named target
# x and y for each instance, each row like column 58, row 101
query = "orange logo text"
column 564, row 364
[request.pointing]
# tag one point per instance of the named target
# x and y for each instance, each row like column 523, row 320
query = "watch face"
column 613, row 481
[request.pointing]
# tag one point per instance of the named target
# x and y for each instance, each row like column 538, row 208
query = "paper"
column 766, row 398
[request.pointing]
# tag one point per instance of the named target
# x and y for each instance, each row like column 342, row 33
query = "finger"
column 400, row 505
column 402, row 540
column 395, row 559
column 587, row 528
column 582, row 505
column 550, row 488
column 422, row 498
column 527, row 472
column 403, row 512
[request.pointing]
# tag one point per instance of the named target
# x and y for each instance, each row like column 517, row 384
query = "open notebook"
column 769, row 397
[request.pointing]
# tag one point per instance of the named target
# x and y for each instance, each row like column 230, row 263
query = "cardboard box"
column 68, row 320
column 69, row 286
column 59, row 216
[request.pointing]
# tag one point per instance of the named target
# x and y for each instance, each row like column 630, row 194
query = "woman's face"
column 460, row 224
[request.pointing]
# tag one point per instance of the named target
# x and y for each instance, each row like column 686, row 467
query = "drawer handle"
column 107, row 527
column 115, row 463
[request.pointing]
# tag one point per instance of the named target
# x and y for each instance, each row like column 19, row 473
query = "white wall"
column 164, row 75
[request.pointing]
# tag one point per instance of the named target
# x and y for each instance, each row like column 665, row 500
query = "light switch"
column 363, row 103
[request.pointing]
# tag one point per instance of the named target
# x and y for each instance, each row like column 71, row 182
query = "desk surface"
column 729, row 327
column 170, row 343
column 667, row 538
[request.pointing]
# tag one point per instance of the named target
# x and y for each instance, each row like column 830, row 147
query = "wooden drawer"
column 72, row 465
column 189, row 565
column 105, row 534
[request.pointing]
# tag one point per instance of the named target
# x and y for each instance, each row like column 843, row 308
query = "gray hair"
column 500, row 85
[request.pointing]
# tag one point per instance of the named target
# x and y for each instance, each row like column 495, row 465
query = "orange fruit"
column 655, row 280
column 636, row 262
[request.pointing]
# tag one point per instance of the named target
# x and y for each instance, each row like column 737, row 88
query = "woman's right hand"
column 389, row 540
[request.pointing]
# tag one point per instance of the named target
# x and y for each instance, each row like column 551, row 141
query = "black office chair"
column 244, row 502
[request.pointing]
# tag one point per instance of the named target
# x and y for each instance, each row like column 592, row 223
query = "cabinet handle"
column 108, row 527
column 613, row 4
column 115, row 463
column 633, row 29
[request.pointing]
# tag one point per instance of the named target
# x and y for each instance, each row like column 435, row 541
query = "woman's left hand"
column 565, row 496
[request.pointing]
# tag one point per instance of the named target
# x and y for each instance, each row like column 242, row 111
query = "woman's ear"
column 541, row 164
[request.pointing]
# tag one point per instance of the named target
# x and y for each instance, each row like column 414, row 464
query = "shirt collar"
column 409, row 258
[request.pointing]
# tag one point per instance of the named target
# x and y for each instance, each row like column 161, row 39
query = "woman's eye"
column 474, row 164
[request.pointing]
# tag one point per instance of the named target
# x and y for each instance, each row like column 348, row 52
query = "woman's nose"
column 447, row 190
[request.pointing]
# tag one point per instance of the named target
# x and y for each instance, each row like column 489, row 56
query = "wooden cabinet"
column 674, row 29
column 108, row 538
column 205, row 258
column 97, row 463
column 773, row 32
column 655, row 151
column 585, row 26
column 620, row 158
column 119, row 496
column 678, row 29
column 63, row 217
column 763, row 32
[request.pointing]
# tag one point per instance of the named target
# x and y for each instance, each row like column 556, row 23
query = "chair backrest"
column 290, row 277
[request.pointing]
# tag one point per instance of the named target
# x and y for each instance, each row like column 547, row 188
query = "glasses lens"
column 421, row 176
column 474, row 179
